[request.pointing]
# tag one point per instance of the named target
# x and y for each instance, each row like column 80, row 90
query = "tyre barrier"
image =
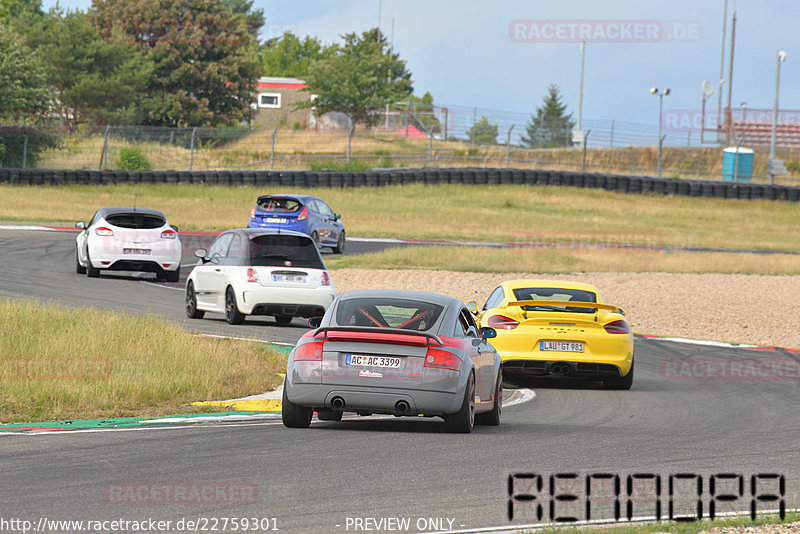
column 381, row 177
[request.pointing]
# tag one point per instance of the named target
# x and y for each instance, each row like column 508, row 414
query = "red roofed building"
column 276, row 100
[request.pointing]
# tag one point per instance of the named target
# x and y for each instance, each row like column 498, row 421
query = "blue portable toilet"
column 743, row 168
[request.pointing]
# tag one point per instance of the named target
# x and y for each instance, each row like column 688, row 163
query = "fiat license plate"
column 561, row 346
column 291, row 278
column 372, row 361
column 137, row 251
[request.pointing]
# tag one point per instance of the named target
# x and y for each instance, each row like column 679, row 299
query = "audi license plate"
column 291, row 278
column 137, row 251
column 561, row 346
column 372, row 361
column 276, row 220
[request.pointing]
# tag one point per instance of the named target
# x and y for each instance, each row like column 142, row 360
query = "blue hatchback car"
column 300, row 213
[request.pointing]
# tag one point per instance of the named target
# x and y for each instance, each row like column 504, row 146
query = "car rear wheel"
column 169, row 276
column 493, row 418
column 623, row 382
column 329, row 415
column 91, row 272
column 80, row 269
column 315, row 239
column 294, row 415
column 283, row 319
column 339, row 248
column 463, row 420
column 232, row 313
column 191, row 304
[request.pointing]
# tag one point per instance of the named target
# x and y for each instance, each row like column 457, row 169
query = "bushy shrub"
column 132, row 159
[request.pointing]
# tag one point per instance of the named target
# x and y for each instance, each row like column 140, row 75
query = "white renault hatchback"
column 128, row 239
column 255, row 271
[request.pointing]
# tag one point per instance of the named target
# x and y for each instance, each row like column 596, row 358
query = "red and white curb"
column 718, row 344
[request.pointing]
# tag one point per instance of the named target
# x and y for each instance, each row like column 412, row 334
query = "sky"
column 501, row 55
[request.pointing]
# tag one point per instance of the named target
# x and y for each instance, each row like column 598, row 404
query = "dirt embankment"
column 737, row 308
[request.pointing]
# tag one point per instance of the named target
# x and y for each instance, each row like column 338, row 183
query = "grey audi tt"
column 404, row 353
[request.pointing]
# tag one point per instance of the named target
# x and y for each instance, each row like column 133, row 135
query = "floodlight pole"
column 772, row 141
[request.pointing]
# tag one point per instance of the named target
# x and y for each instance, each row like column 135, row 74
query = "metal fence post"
column 104, row 154
column 191, row 149
column 508, row 145
column 25, row 152
column 349, row 140
column 585, row 138
column 272, row 150
column 430, row 146
column 611, row 141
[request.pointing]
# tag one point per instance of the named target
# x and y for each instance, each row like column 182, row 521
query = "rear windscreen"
column 556, row 293
column 278, row 205
column 136, row 220
column 284, row 251
column 388, row 312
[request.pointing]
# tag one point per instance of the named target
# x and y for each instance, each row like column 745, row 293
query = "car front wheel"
column 191, row 304
column 232, row 313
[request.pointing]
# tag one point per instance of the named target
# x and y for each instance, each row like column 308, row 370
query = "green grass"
column 521, row 214
column 61, row 363
column 678, row 527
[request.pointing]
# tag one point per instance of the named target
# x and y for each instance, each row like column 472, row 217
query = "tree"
column 289, row 56
column 13, row 9
column 550, row 126
column 483, row 132
column 23, row 93
column 92, row 80
column 202, row 75
column 244, row 8
column 358, row 78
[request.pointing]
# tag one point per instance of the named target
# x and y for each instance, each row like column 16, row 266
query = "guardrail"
column 383, row 177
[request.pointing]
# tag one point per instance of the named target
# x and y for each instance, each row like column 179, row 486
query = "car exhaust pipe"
column 560, row 369
column 337, row 403
column 402, row 406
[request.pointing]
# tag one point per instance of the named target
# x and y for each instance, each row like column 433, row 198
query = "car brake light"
column 252, row 276
column 502, row 322
column 303, row 215
column 442, row 359
column 168, row 234
column 102, row 230
column 253, row 213
column 309, row 352
column 618, row 327
column 326, row 278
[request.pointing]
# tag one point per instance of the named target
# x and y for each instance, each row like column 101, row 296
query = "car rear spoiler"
column 377, row 330
column 567, row 303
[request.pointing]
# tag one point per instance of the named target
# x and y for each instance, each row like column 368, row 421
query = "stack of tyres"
column 335, row 179
column 223, row 177
column 469, row 176
column 58, row 177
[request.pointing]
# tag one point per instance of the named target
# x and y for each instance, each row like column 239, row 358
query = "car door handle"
column 218, row 269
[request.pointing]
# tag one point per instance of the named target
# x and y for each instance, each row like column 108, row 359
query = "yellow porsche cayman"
column 553, row 327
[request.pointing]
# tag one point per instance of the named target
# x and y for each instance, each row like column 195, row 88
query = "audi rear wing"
column 567, row 304
column 377, row 330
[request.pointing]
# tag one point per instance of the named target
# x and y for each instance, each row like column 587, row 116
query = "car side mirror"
column 201, row 253
column 81, row 225
column 337, row 216
column 620, row 311
column 173, row 227
column 472, row 306
column 314, row 322
column 488, row 332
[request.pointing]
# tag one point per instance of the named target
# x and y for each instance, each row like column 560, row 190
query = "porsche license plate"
column 290, row 278
column 137, row 251
column 372, row 361
column 561, row 346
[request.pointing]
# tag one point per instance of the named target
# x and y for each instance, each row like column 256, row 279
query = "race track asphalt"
column 326, row 478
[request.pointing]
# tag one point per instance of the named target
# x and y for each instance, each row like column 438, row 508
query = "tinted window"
column 136, row 220
column 465, row 322
column 278, row 205
column 284, row 251
column 220, row 246
column 548, row 293
column 388, row 312
column 324, row 209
